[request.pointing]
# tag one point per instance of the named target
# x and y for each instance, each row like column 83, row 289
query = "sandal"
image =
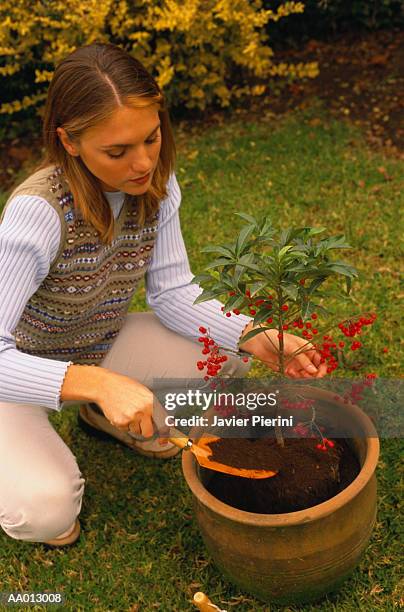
column 92, row 421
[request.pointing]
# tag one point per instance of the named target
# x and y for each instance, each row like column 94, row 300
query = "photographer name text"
column 230, row 421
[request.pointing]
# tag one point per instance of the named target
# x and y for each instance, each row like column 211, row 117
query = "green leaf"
column 262, row 315
column 201, row 278
column 313, row 231
column 291, row 291
column 249, row 266
column 207, row 295
column 223, row 250
column 265, row 227
column 334, row 242
column 221, row 261
column 257, row 286
column 247, row 217
column 284, row 250
column 252, row 333
column 343, row 268
column 316, row 283
column 235, row 301
column 243, row 238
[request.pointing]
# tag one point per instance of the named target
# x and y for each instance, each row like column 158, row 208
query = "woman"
column 77, row 236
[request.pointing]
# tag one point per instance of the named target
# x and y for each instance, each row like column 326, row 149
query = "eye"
column 115, row 156
column 152, row 140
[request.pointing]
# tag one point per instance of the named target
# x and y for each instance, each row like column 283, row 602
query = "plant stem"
column 278, row 430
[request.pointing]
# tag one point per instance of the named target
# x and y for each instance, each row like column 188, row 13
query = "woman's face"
column 121, row 149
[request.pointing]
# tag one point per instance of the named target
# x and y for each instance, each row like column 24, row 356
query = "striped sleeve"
column 169, row 291
column 30, row 235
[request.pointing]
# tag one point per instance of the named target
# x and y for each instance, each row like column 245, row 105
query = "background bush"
column 324, row 18
column 202, row 52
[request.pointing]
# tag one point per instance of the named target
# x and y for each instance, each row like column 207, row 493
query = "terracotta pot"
column 298, row 556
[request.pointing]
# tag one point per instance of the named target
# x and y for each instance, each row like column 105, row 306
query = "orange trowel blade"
column 203, row 452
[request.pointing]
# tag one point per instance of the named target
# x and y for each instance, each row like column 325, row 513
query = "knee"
column 44, row 511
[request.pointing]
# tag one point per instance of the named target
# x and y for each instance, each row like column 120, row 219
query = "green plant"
column 279, row 277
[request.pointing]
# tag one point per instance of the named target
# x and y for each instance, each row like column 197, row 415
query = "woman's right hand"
column 127, row 404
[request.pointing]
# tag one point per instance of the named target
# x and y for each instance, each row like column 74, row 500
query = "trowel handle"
column 204, row 604
column 182, row 442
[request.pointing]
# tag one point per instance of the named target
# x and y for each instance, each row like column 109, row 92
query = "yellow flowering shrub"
column 200, row 51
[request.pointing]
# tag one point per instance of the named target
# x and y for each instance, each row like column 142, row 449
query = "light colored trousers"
column 41, row 486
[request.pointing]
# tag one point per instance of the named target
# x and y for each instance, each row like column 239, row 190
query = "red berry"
column 285, row 307
column 203, row 330
column 314, row 316
column 269, row 320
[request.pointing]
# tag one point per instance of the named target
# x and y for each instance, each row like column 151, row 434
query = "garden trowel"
column 202, row 452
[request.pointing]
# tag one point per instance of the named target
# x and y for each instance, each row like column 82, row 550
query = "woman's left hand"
column 303, row 365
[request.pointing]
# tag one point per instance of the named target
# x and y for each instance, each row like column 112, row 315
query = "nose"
column 141, row 162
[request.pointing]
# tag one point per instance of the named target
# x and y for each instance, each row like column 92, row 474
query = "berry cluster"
column 324, row 443
column 308, row 330
column 213, row 363
column 354, row 394
column 326, row 350
column 327, row 347
column 300, row 405
column 305, row 430
column 252, row 304
column 354, row 328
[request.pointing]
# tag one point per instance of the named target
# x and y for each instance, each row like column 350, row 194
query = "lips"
column 142, row 179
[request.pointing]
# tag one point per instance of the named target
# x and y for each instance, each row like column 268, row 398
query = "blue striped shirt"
column 30, row 236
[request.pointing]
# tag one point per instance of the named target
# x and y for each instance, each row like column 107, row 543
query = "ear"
column 64, row 139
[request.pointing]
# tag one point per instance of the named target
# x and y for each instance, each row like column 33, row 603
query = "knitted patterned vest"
column 80, row 306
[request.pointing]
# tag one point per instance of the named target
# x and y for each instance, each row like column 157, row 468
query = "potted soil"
column 296, row 536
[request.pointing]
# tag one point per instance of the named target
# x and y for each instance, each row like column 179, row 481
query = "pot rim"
column 189, row 467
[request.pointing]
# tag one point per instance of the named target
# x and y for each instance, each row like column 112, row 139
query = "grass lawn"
column 140, row 548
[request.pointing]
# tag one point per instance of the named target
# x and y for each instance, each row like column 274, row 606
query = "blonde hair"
column 86, row 88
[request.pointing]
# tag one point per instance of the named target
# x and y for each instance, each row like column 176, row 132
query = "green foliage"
column 201, row 52
column 281, row 273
